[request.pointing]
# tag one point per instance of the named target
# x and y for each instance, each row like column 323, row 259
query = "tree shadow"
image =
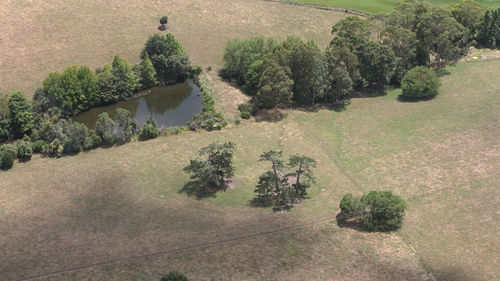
column 195, row 189
column 338, row 106
column 260, row 203
column 372, row 92
column 442, row 72
column 402, row 98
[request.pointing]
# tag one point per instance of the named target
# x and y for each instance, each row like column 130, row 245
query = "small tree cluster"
column 282, row 188
column 376, row 210
column 212, row 171
column 489, row 30
column 149, row 130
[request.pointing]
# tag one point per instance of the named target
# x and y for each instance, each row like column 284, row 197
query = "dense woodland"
column 374, row 52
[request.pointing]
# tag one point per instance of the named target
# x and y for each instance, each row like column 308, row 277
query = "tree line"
column 372, row 52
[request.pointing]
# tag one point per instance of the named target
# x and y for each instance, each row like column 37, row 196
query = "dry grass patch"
column 38, row 37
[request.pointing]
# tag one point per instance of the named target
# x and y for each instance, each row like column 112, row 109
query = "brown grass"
column 38, row 37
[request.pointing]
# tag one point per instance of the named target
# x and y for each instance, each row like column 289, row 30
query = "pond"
column 172, row 105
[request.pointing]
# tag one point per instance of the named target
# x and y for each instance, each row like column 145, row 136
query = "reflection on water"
column 172, row 105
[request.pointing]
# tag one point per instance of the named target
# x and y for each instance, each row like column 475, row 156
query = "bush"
column 55, row 148
column 174, row 276
column 150, row 129
column 6, row 160
column 196, row 70
column 350, row 206
column 164, row 20
column 37, row 147
column 420, row 82
column 376, row 210
column 24, row 151
column 12, row 149
column 176, row 130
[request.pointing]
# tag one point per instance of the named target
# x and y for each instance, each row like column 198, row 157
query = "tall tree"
column 104, row 128
column 123, row 77
column 73, row 91
column 403, row 43
column 216, row 167
column 376, row 62
column 275, row 87
column 4, row 118
column 468, row 13
column 442, row 35
column 303, row 173
column 351, row 32
column 168, row 57
column 126, row 125
column 148, row 72
column 274, row 156
column 21, row 115
column 344, row 58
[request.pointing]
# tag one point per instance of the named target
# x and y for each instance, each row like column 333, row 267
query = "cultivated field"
column 125, row 213
column 384, row 6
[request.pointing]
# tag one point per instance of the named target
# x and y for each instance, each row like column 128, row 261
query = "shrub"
column 150, row 129
column 24, row 151
column 376, row 210
column 420, row 82
column 164, row 20
column 12, row 149
column 7, row 160
column 195, row 70
column 237, row 121
column 174, row 276
column 104, row 128
column 176, row 130
column 55, row 148
column 385, row 210
column 37, row 146
column 92, row 141
column 245, row 115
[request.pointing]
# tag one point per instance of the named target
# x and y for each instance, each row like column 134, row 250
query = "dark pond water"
column 172, row 105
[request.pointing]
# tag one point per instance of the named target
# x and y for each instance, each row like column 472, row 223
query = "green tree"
column 376, row 62
column 308, row 70
column 73, row 91
column 376, row 210
column 174, row 276
column 403, row 43
column 107, row 90
column 6, row 160
column 468, row 13
column 420, row 82
column 303, row 173
column 351, row 207
column 123, row 77
column 75, row 135
column 150, row 129
column 168, row 57
column 21, row 115
column 252, row 77
column 164, row 20
column 148, row 73
column 104, row 127
column 4, row 118
column 126, row 126
column 274, row 156
column 351, row 32
column 442, row 36
column 489, row 34
column 275, row 87
column 215, row 168
column 239, row 55
column 384, row 210
column 344, row 58
column 24, row 151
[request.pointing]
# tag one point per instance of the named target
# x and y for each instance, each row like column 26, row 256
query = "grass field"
column 111, row 205
column 38, row 37
column 441, row 155
column 385, row 6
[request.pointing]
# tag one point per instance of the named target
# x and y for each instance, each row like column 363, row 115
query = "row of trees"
column 67, row 137
column 78, row 88
column 377, row 51
column 214, row 168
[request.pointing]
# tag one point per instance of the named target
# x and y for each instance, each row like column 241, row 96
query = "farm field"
column 38, row 37
column 384, row 6
column 126, row 212
column 125, row 201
